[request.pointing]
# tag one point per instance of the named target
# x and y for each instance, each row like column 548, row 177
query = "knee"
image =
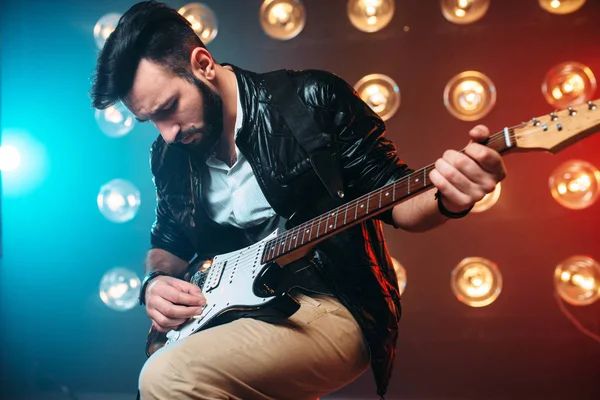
column 170, row 373
column 156, row 377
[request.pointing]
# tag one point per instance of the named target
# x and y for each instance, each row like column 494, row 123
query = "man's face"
column 187, row 114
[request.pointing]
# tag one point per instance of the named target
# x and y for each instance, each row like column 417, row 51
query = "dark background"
column 55, row 329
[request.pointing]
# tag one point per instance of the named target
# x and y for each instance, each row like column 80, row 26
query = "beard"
column 213, row 123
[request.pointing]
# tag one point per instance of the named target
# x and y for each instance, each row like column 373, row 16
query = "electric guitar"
column 250, row 282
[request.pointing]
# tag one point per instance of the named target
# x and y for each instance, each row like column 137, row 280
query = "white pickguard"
column 228, row 284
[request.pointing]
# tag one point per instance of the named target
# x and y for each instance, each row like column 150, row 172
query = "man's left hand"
column 465, row 178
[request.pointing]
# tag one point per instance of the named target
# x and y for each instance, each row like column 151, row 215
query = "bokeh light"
column 400, row 274
column 370, row 15
column 104, row 27
column 10, row 158
column 381, row 93
column 119, row 289
column 575, row 184
column 282, row 19
column 476, row 281
column 469, row 95
column 115, row 121
column 203, row 20
column 577, row 280
column 568, row 84
column 464, row 11
column 119, row 200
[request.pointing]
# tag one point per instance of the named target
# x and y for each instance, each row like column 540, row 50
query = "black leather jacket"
column 355, row 263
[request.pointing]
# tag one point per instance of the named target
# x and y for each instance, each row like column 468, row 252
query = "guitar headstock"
column 560, row 129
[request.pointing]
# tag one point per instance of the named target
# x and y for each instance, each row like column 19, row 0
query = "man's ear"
column 202, row 63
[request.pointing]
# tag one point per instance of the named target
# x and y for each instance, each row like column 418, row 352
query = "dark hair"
column 148, row 30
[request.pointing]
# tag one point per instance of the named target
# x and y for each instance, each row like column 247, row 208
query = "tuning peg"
column 553, row 116
column 591, row 105
column 572, row 111
column 535, row 121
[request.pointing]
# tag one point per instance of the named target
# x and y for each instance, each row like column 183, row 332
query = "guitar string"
column 281, row 240
column 498, row 137
column 287, row 237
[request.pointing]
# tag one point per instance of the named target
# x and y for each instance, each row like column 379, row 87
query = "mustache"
column 182, row 135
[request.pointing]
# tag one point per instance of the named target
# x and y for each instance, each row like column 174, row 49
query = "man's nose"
column 168, row 131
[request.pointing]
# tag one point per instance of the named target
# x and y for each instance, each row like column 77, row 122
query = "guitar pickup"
column 214, row 275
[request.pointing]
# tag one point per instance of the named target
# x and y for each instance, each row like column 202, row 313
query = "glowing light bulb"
column 577, row 280
column 202, row 20
column 464, row 11
column 104, row 27
column 575, row 184
column 119, row 289
column 10, row 158
column 115, row 121
column 476, row 281
column 370, row 15
column 561, row 7
column 488, row 200
column 469, row 95
column 282, row 19
column 568, row 84
column 381, row 93
column 118, row 200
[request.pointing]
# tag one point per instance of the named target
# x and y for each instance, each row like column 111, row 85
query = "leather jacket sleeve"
column 166, row 232
column 369, row 160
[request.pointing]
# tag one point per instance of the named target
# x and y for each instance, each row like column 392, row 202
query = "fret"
column 424, row 177
column 335, row 221
column 278, row 247
column 296, row 237
column 346, row 213
column 394, row 193
column 368, row 198
column 318, row 227
column 355, row 211
column 273, row 247
column 380, row 193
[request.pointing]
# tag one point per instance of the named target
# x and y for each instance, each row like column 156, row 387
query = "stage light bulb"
column 476, row 281
column 10, row 158
column 561, row 6
column 400, row 274
column 568, row 84
column 488, row 200
column 577, row 280
column 115, row 121
column 469, row 95
column 381, row 94
column 119, row 200
column 575, row 184
column 104, row 27
column 282, row 19
column 370, row 15
column 202, row 19
column 464, row 11
column 119, row 289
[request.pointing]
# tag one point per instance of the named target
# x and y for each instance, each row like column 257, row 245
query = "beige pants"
column 321, row 350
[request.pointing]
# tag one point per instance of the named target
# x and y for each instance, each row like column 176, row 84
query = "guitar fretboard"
column 364, row 207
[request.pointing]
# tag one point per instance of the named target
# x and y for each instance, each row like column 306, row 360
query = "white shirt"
column 232, row 195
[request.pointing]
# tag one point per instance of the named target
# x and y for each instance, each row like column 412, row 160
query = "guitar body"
column 236, row 285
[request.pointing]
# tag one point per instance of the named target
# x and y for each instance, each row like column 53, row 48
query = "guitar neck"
column 367, row 206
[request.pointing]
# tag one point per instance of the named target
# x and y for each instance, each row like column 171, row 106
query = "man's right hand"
column 171, row 301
